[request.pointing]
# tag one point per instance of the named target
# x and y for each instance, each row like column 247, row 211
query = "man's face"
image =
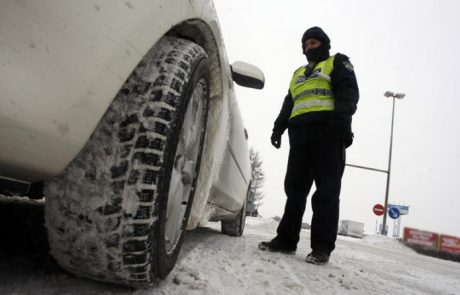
column 311, row 44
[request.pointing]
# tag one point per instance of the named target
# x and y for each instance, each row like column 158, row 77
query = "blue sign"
column 393, row 212
column 403, row 209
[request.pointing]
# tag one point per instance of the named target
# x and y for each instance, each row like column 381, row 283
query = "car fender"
column 64, row 61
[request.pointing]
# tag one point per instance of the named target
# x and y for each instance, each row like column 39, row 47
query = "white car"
column 123, row 115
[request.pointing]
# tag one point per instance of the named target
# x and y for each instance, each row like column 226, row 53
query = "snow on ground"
column 374, row 265
column 211, row 263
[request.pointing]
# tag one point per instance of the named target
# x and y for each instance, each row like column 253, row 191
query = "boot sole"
column 266, row 248
column 315, row 262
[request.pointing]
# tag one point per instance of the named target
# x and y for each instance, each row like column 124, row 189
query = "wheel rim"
column 184, row 168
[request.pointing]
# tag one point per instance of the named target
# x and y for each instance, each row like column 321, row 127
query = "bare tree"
column 258, row 177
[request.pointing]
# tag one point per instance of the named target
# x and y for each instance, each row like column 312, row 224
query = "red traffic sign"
column 378, row 209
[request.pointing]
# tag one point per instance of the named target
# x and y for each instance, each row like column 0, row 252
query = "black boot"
column 277, row 245
column 318, row 258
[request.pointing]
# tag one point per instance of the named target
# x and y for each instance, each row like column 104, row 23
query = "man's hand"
column 276, row 139
column 340, row 129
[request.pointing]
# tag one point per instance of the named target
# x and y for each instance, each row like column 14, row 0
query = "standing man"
column 317, row 112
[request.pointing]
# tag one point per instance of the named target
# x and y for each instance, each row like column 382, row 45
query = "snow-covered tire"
column 235, row 227
column 117, row 213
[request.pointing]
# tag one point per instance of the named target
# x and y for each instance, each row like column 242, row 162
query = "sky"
column 400, row 46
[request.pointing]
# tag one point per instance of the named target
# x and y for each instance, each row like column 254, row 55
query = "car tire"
column 235, row 227
column 118, row 212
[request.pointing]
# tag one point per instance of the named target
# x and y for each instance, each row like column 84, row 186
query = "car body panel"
column 62, row 63
column 236, row 163
column 59, row 74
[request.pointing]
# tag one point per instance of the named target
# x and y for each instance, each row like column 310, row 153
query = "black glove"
column 340, row 128
column 276, row 139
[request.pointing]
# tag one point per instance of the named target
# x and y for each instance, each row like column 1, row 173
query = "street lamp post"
column 394, row 96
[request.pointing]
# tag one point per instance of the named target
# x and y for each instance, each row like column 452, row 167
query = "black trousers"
column 322, row 163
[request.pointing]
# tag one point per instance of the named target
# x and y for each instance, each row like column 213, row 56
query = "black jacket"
column 324, row 125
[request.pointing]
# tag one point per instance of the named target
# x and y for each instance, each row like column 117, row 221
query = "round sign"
column 393, row 212
column 378, row 209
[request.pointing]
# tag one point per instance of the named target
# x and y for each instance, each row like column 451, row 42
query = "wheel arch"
column 204, row 34
column 200, row 32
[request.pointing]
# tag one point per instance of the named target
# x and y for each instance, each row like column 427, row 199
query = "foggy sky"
column 402, row 46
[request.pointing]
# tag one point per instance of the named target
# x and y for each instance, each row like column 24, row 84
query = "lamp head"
column 394, row 95
column 389, row 94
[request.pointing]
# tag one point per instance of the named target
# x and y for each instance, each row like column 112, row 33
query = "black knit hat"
column 318, row 34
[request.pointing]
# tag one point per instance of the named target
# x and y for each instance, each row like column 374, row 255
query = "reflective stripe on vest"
column 313, row 93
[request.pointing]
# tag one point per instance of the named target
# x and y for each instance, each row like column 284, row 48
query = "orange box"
column 450, row 244
column 425, row 239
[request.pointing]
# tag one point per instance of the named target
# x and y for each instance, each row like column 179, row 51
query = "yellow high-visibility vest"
column 313, row 93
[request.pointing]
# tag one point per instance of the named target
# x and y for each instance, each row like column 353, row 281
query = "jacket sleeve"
column 344, row 87
column 282, row 121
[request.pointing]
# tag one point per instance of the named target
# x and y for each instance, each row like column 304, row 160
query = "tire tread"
column 111, row 242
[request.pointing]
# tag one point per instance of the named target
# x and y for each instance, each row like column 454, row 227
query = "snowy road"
column 211, row 263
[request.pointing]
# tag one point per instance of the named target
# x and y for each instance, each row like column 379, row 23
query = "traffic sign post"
column 393, row 212
column 378, row 209
column 403, row 209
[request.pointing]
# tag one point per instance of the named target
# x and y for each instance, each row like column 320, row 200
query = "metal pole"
column 384, row 232
column 367, row 168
